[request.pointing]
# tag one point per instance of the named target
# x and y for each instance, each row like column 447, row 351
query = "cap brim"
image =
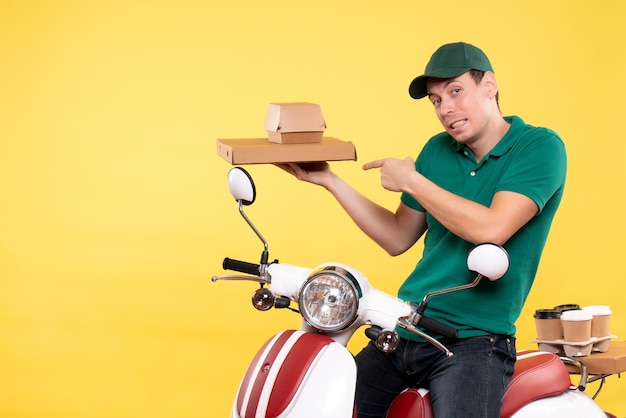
column 417, row 88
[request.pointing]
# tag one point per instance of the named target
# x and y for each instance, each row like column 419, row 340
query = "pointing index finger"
column 373, row 164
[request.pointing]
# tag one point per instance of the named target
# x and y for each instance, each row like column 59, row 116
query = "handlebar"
column 254, row 272
column 438, row 327
column 258, row 272
column 418, row 319
column 241, row 266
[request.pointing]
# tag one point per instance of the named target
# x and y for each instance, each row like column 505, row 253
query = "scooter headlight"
column 329, row 299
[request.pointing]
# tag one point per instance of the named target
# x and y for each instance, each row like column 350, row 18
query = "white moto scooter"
column 309, row 373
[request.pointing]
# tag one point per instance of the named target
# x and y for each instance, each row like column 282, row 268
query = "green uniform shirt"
column 527, row 160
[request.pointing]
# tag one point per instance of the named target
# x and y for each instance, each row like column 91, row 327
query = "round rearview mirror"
column 241, row 185
column 488, row 260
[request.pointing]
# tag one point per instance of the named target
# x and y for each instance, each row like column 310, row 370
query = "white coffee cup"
column 576, row 325
column 601, row 323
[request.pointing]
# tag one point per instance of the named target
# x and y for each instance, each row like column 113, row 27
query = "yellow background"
column 114, row 209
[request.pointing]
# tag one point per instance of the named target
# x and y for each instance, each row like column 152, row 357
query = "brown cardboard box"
column 610, row 362
column 261, row 151
column 294, row 123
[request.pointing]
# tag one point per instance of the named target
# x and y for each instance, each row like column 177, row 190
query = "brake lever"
column 407, row 325
column 258, row 279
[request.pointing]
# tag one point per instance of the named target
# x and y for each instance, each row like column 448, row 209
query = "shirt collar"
column 504, row 145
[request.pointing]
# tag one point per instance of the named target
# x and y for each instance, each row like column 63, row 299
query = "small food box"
column 295, row 134
column 294, row 123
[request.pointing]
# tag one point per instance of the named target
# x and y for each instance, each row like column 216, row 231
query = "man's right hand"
column 315, row 172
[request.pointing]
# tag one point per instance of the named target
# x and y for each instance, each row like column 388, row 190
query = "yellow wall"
column 114, row 210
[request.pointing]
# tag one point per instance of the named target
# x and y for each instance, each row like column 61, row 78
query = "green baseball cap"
column 449, row 61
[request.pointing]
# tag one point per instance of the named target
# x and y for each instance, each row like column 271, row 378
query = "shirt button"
column 472, row 173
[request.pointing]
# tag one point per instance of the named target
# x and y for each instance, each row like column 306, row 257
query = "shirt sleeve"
column 538, row 168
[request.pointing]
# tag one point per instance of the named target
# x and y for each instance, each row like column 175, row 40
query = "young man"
column 486, row 178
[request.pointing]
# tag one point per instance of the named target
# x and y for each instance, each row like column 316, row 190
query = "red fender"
column 292, row 371
column 413, row 403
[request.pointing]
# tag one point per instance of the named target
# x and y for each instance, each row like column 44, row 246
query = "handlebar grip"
column 373, row 332
column 438, row 327
column 241, row 266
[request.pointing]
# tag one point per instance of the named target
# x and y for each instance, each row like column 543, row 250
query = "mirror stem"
column 256, row 231
column 453, row 289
